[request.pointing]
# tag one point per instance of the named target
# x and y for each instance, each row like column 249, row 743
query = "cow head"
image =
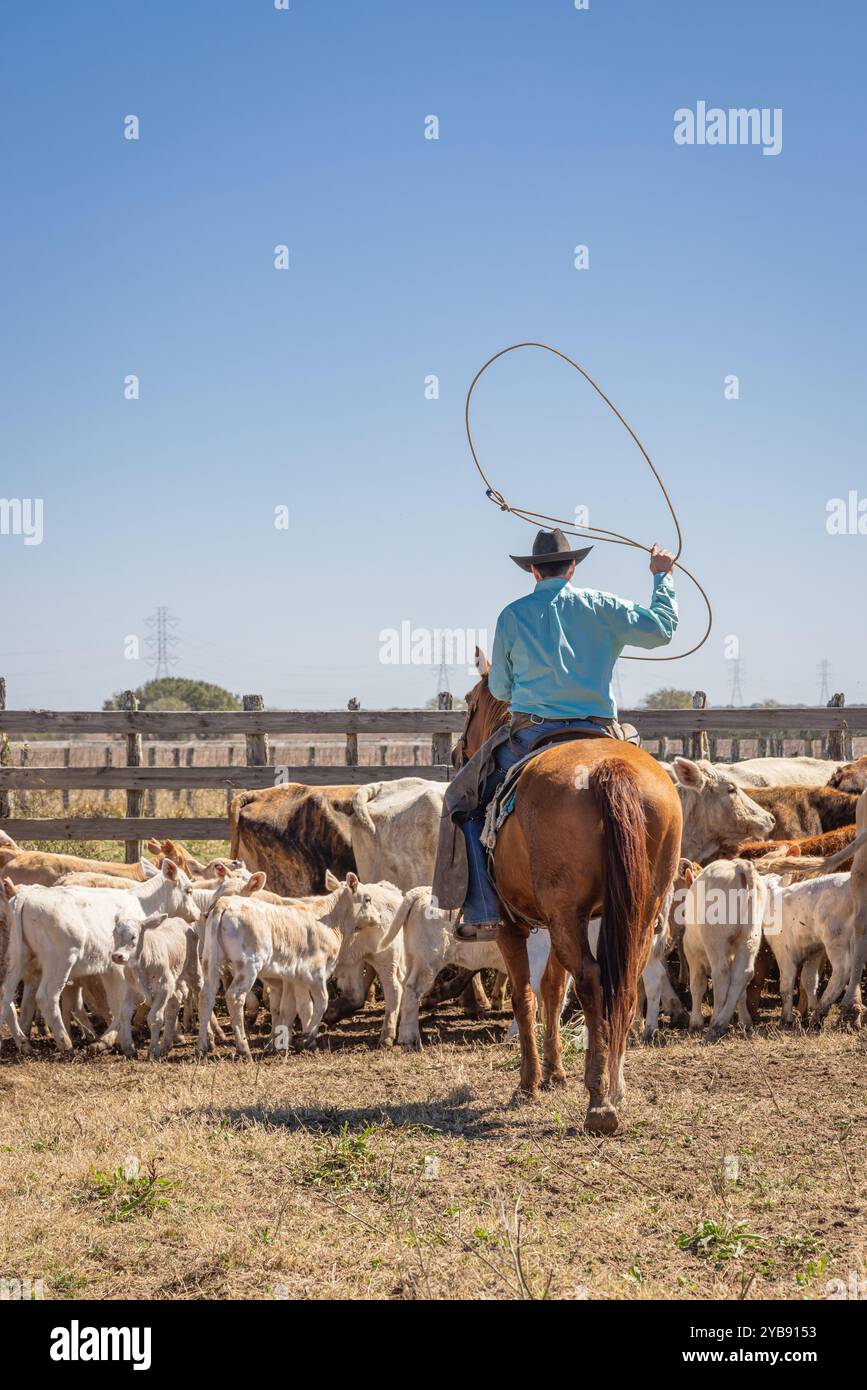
column 359, row 905
column 717, row 814
column 176, row 897
column 128, row 933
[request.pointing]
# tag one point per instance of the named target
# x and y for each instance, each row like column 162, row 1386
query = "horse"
column 595, row 832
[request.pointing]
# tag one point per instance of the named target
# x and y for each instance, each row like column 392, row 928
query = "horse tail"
column 625, row 885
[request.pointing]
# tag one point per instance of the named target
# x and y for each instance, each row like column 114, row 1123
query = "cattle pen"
column 833, row 731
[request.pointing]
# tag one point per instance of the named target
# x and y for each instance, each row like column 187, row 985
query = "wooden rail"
column 698, row 729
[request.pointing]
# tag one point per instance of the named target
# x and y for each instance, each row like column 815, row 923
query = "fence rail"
column 698, row 728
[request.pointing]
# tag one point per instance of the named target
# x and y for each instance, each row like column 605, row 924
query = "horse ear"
column 483, row 665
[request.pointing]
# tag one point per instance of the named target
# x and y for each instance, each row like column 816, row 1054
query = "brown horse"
column 595, row 832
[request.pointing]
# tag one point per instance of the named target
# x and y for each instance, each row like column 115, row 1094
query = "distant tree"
column 766, row 704
column 668, row 697
column 175, row 693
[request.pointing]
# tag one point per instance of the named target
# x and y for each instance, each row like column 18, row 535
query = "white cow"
column 769, row 772
column 288, row 942
column 160, row 956
column 803, row 921
column 717, row 814
column 395, row 827
column 722, row 913
column 70, row 933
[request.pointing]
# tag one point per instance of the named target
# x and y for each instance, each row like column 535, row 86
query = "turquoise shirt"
column 555, row 649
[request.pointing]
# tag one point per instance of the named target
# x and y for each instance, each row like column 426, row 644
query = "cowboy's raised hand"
column 661, row 561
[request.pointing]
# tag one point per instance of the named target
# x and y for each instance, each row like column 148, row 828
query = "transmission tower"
column 443, row 686
column 737, row 695
column 161, row 643
column 824, row 681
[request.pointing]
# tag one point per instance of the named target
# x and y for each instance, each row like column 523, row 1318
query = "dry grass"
column 354, row 1173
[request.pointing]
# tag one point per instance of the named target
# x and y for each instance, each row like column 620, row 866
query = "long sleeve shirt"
column 555, row 648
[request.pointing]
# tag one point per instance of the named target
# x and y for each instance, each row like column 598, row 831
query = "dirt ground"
column 740, row 1172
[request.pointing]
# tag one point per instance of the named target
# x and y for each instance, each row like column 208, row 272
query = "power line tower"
column 161, row 643
column 443, row 686
column 737, row 695
column 824, row 681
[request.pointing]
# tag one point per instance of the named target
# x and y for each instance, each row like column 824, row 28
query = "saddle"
column 502, row 803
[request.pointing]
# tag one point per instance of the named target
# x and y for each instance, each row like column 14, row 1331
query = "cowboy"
column 553, row 663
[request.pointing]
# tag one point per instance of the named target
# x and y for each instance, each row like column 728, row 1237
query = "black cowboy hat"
column 550, row 547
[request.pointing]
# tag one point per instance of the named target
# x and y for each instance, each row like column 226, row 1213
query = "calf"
column 295, row 943
column 70, row 934
column 656, row 984
column 716, row 812
column 377, row 942
column 806, row 920
column 429, row 944
column 722, row 915
column 160, row 956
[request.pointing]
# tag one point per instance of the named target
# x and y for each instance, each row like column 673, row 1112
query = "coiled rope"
column 589, row 532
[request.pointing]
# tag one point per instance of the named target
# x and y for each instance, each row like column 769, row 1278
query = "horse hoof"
column 555, row 1081
column 601, row 1119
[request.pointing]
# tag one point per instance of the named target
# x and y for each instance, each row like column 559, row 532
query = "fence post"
column 352, row 739
column 24, row 759
column 132, row 848
column 64, row 795
column 106, row 796
column 698, row 741
column 191, row 758
column 839, row 744
column 5, row 754
column 152, row 791
column 311, row 755
column 383, row 754
column 735, row 753
column 441, row 744
column 258, row 754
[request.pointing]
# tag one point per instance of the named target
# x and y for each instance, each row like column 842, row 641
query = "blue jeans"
column 481, row 905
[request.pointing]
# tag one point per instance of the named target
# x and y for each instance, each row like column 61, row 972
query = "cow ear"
column 9, row 889
column 483, row 665
column 156, row 919
column 688, row 773
column 689, row 877
column 170, row 869
column 148, row 869
column 153, row 846
column 257, row 882
column 221, row 871
column 330, row 881
column 352, row 881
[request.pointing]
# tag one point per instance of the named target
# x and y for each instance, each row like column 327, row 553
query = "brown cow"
column 36, row 866
column 800, row 811
column 851, row 777
column 294, row 833
column 823, row 845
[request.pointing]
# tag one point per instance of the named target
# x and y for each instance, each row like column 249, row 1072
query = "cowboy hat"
column 550, row 547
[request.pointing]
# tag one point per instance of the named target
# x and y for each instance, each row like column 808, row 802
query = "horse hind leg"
column 513, row 944
column 551, row 990
column 569, row 938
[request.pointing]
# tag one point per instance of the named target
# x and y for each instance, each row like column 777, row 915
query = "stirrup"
column 483, row 931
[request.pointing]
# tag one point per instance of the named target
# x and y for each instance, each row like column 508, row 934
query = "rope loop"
column 595, row 533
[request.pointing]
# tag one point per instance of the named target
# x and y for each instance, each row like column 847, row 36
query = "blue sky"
column 411, row 257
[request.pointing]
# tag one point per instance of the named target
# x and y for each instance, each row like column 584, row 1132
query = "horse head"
column 485, row 714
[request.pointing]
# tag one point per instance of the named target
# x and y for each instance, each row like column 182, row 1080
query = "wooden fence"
column 698, row 729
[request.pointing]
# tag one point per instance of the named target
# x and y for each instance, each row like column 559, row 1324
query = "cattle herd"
column 326, row 893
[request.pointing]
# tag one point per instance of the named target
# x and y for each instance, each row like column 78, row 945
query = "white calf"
column 70, row 934
column 722, row 915
column 160, row 956
column 803, row 920
column 430, row 945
